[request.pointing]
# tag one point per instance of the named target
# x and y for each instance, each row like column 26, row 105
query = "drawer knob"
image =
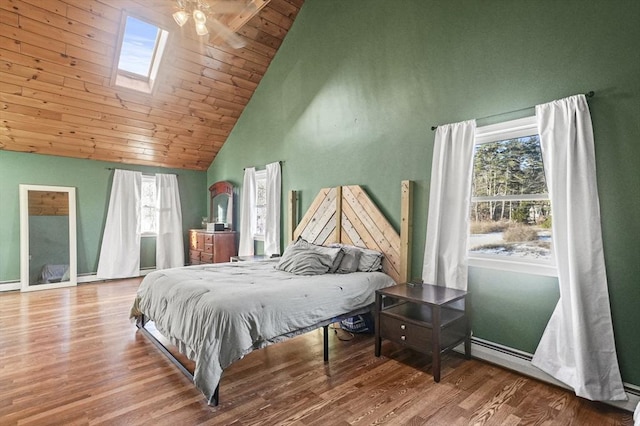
column 403, row 337
column 403, row 327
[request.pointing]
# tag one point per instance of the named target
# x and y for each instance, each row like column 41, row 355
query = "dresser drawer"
column 405, row 333
column 206, row 257
column 208, row 238
column 208, row 248
column 194, row 255
column 193, row 240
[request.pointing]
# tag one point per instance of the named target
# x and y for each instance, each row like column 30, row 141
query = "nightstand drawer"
column 405, row 333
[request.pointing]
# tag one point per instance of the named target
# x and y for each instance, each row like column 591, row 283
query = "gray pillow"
column 304, row 258
column 350, row 259
column 335, row 253
column 370, row 260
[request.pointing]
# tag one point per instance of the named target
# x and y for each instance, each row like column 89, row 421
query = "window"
column 261, row 204
column 510, row 213
column 148, row 206
column 141, row 48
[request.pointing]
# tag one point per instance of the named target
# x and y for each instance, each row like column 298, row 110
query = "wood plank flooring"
column 72, row 357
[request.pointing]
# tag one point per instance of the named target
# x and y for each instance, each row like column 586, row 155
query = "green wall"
column 92, row 181
column 356, row 86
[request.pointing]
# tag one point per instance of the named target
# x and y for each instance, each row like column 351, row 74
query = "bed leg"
column 325, row 333
column 140, row 323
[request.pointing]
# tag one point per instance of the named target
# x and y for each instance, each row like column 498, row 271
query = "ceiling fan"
column 205, row 21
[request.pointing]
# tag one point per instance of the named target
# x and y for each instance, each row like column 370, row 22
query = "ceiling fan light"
column 199, row 17
column 201, row 29
column 181, row 17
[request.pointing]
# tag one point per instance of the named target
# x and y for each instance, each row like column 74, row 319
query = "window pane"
column 260, row 219
column 519, row 229
column 148, row 201
column 261, row 203
column 508, row 167
column 138, row 47
column 148, row 223
column 261, row 192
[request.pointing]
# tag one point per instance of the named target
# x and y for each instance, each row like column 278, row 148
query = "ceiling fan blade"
column 231, row 38
column 227, row 7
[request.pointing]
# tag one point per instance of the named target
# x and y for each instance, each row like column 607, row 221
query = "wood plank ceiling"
column 56, row 60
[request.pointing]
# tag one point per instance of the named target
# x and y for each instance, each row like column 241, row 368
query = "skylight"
column 140, row 53
column 138, row 47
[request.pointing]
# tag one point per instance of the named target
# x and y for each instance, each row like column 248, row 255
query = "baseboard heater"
column 520, row 361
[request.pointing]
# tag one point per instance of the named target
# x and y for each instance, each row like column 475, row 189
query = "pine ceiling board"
column 97, row 9
column 92, row 62
column 100, row 31
column 56, row 61
column 268, row 27
column 277, row 18
column 285, row 8
column 297, row 3
column 48, row 203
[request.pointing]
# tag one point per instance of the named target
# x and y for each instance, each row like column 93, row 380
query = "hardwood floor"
column 72, row 357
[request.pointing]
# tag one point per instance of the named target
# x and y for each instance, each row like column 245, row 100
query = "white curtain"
column 247, row 212
column 272, row 216
column 445, row 254
column 120, row 251
column 577, row 346
column 170, row 240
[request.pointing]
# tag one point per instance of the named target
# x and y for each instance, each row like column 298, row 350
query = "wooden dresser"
column 210, row 246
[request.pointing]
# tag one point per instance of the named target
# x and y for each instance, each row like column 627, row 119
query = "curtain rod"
column 146, row 174
column 589, row 94
column 281, row 163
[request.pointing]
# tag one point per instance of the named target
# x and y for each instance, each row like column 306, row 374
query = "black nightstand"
column 427, row 318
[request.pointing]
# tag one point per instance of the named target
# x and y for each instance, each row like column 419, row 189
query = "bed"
column 53, row 274
column 215, row 314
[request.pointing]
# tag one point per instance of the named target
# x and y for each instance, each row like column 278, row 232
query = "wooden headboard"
column 346, row 214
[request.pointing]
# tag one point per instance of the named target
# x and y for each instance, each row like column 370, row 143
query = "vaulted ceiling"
column 57, row 97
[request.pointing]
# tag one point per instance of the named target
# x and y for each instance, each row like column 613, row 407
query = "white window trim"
column 507, row 130
column 259, row 175
column 149, row 178
column 530, row 267
column 501, row 131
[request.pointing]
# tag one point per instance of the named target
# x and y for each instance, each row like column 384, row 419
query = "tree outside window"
column 510, row 213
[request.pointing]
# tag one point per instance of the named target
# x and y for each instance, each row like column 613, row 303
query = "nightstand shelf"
column 427, row 318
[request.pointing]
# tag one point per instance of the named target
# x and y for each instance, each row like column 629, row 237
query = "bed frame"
column 344, row 214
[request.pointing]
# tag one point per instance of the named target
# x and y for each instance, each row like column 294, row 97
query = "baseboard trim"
column 82, row 279
column 9, row 285
column 520, row 362
column 90, row 278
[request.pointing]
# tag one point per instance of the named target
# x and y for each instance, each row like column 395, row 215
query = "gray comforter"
column 215, row 314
